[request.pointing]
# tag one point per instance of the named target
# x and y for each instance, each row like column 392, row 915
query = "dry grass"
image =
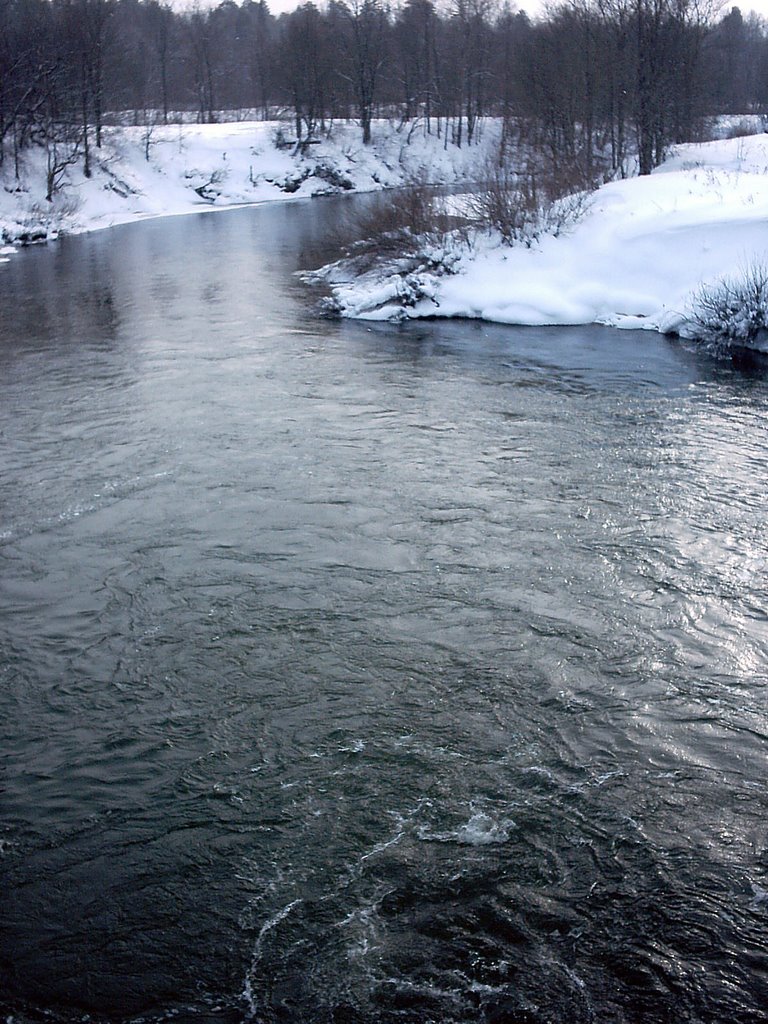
column 523, row 203
column 745, row 126
column 392, row 224
column 732, row 311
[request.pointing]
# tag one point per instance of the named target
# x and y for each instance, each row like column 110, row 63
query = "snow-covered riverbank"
column 634, row 259
column 181, row 169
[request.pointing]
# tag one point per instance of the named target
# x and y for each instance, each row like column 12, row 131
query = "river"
column 359, row 673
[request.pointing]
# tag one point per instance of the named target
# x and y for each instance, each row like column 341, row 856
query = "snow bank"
column 634, row 259
column 195, row 167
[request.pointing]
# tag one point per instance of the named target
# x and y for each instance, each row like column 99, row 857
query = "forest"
column 589, row 84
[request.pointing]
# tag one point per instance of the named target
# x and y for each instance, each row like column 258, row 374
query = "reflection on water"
column 360, row 673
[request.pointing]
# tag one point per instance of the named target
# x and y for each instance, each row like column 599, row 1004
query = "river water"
column 369, row 674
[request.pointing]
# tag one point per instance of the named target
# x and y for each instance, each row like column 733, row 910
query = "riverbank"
column 176, row 169
column 635, row 259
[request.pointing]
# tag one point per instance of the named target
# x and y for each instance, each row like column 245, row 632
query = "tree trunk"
column 84, row 110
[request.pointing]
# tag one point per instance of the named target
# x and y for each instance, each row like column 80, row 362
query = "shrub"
column 326, row 172
column 523, row 204
column 396, row 224
column 506, row 204
column 395, row 249
column 280, row 141
column 744, row 126
column 733, row 311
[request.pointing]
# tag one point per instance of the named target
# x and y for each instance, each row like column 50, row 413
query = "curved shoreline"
column 635, row 260
column 198, row 168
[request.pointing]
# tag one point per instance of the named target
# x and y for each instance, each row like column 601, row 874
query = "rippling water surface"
column 357, row 674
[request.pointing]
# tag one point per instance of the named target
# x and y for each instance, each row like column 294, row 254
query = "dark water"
column 369, row 675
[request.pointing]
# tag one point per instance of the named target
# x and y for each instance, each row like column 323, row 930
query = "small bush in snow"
column 505, row 204
column 280, row 141
column 744, row 126
column 333, row 176
column 401, row 224
column 732, row 311
column 520, row 204
column 397, row 247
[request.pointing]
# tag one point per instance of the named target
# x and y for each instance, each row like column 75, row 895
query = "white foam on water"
column 268, row 926
column 355, row 747
column 363, row 924
column 383, row 845
column 480, row 830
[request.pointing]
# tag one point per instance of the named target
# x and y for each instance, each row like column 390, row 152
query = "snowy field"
column 189, row 168
column 634, row 259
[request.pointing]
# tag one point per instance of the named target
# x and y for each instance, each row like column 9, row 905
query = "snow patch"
column 635, row 259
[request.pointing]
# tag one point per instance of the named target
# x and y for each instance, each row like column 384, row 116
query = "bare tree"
column 260, row 36
column 414, row 43
column 160, row 26
column 592, row 83
column 366, row 50
column 203, row 64
column 304, row 57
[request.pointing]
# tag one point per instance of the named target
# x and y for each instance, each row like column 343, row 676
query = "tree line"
column 589, row 84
